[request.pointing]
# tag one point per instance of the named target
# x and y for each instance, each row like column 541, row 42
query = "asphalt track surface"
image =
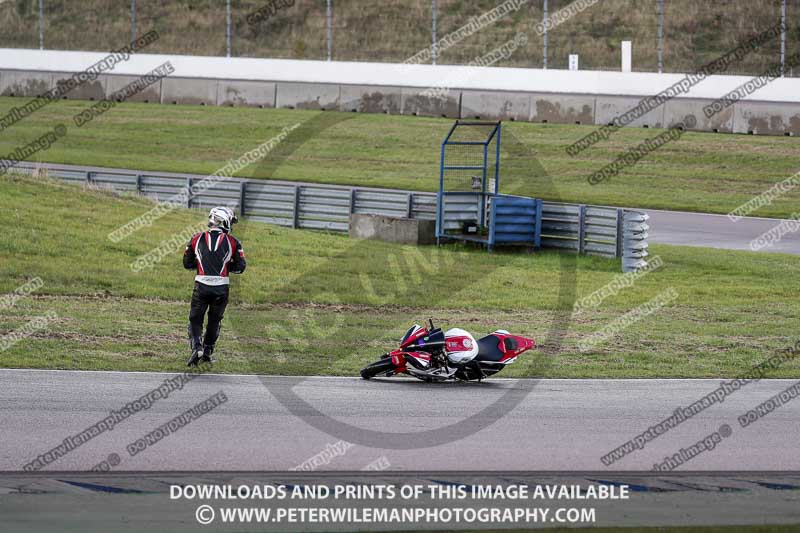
column 716, row 231
column 559, row 425
column 666, row 227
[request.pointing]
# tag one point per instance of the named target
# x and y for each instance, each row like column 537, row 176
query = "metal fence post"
column 189, row 184
column 296, row 212
column 660, row 35
column 329, row 22
column 581, row 229
column 434, row 49
column 352, row 201
column 242, row 196
column 133, row 20
column 783, row 38
column 41, row 24
column 88, row 177
column 544, row 22
column 228, row 27
column 410, row 206
column 492, row 227
column 537, row 235
column 138, row 184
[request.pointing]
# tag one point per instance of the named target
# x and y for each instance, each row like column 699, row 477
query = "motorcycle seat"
column 489, row 349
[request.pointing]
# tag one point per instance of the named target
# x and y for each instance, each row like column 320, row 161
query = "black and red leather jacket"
column 214, row 254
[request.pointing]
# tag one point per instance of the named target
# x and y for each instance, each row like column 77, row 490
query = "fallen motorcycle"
column 431, row 354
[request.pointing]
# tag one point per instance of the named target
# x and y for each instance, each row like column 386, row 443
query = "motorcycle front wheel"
column 379, row 367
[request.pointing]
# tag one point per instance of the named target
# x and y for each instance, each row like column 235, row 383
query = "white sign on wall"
column 573, row 61
column 627, row 50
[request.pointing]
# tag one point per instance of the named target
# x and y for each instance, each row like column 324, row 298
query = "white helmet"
column 460, row 346
column 222, row 218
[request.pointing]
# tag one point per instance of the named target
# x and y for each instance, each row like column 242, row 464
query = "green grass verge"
column 316, row 303
column 699, row 172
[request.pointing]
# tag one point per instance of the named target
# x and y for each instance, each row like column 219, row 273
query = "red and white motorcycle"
column 431, row 354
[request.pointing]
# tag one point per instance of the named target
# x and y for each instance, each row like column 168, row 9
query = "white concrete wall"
column 596, row 83
column 534, row 95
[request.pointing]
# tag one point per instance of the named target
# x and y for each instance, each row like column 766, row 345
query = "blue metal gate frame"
column 484, row 195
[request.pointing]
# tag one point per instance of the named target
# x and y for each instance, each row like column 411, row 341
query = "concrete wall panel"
column 560, row 109
column 188, row 91
column 766, row 118
column 151, row 94
column 366, row 99
column 495, row 105
column 759, row 117
column 16, row 83
column 308, row 96
column 431, row 102
column 90, row 90
column 609, row 107
column 682, row 110
column 246, row 93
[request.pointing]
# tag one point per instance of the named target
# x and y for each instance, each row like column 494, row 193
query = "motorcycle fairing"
column 421, row 339
column 502, row 347
column 414, row 332
column 419, row 360
column 399, row 361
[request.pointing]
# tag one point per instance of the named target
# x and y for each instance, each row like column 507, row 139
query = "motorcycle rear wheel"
column 379, row 367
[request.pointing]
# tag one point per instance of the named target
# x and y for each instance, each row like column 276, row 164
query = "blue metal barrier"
column 515, row 220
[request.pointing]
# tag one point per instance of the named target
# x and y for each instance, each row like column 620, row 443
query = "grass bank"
column 316, row 303
column 699, row 172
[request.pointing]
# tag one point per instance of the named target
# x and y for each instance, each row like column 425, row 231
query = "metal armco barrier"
column 584, row 228
column 305, row 206
column 515, row 220
column 603, row 231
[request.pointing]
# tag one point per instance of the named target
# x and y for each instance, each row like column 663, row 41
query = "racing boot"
column 197, row 351
column 208, row 351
